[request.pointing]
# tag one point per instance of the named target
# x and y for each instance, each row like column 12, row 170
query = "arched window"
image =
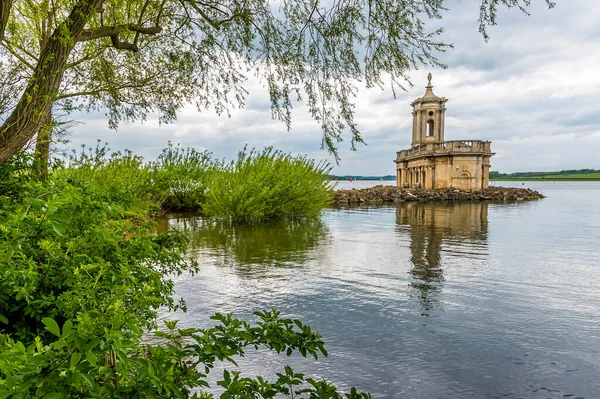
column 430, row 128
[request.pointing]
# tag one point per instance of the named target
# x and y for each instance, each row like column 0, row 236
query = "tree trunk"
column 36, row 102
column 42, row 147
column 5, row 7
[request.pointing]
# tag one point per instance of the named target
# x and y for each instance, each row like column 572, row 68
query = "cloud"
column 532, row 90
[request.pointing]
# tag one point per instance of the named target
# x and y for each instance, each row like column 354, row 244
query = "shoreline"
column 529, row 179
column 380, row 193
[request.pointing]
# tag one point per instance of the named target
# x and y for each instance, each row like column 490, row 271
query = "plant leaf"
column 51, row 326
column 58, row 228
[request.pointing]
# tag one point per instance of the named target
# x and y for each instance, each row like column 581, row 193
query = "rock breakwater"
column 380, row 193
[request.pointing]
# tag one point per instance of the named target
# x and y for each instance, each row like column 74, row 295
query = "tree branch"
column 10, row 48
column 5, row 7
column 114, row 33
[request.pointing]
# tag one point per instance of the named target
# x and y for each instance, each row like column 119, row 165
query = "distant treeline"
column 569, row 174
column 348, row 177
column 563, row 174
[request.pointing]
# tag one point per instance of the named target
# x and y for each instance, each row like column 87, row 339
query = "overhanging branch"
column 115, row 31
column 5, row 7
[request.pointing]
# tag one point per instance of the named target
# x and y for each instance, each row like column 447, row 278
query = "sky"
column 533, row 90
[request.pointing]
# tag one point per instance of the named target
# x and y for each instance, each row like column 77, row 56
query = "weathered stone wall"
column 390, row 193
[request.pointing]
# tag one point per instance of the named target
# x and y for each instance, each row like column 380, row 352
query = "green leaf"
column 51, row 326
column 59, row 217
column 88, row 379
column 3, row 319
column 91, row 358
column 67, row 327
column 75, row 358
column 58, row 228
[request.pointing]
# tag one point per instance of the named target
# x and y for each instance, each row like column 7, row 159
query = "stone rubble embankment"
column 390, row 193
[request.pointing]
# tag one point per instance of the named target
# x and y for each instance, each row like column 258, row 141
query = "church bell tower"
column 428, row 113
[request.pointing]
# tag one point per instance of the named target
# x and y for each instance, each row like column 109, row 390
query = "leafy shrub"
column 16, row 178
column 66, row 251
column 77, row 364
column 257, row 187
column 180, row 178
column 120, row 177
column 268, row 185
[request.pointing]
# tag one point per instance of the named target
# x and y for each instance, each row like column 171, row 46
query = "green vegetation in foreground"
column 83, row 272
column 259, row 186
column 572, row 175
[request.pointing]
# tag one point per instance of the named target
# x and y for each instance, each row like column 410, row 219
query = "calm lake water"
column 469, row 300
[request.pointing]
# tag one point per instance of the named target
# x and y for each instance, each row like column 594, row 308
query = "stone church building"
column 432, row 162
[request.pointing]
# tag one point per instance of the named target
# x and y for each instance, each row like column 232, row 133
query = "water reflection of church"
column 453, row 228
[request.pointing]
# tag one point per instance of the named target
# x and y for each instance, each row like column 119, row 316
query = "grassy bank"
column 563, row 175
column 576, row 177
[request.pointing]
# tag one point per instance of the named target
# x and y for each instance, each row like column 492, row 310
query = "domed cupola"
column 428, row 113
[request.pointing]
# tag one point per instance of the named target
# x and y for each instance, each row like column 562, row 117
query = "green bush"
column 257, row 187
column 119, row 177
column 268, row 185
column 180, row 178
column 16, row 178
column 63, row 247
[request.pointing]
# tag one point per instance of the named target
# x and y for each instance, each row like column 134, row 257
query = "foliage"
column 16, row 179
column 180, row 178
column 268, row 185
column 177, row 180
column 120, row 177
column 104, row 364
column 63, row 246
column 257, row 187
column 82, row 274
column 132, row 58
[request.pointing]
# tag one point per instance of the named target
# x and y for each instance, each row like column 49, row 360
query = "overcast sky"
column 533, row 90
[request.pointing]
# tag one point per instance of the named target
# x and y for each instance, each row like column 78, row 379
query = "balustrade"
column 445, row 147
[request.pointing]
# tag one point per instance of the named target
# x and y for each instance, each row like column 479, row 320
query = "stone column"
column 486, row 175
column 417, row 126
column 438, row 126
column 430, row 177
column 442, row 122
column 414, row 126
column 423, row 125
column 450, row 171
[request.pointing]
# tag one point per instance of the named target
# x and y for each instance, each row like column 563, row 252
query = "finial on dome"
column 429, row 80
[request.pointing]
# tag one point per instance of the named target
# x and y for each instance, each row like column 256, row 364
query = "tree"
column 139, row 56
